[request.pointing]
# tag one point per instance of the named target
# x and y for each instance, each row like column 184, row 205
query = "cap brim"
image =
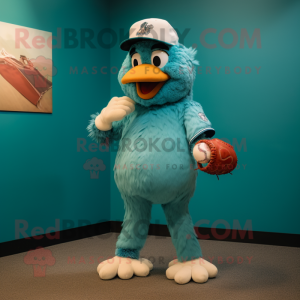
column 125, row 45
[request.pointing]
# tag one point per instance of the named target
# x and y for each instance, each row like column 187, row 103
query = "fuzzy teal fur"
column 127, row 253
column 154, row 163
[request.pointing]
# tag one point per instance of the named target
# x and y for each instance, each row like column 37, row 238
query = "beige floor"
column 272, row 274
column 12, row 100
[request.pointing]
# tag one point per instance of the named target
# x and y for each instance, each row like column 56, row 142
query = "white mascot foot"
column 199, row 270
column 124, row 267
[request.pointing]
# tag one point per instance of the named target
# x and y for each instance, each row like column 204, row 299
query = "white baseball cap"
column 151, row 29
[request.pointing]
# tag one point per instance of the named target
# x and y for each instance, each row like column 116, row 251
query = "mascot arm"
column 197, row 127
column 220, row 156
column 100, row 136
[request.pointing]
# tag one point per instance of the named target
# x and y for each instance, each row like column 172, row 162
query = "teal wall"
column 41, row 174
column 263, row 109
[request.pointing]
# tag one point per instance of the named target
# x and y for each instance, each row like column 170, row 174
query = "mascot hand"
column 116, row 110
column 202, row 153
column 220, row 156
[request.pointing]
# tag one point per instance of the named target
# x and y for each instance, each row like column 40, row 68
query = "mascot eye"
column 136, row 60
column 159, row 58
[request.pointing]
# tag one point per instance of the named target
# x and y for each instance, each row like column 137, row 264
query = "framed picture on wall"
column 26, row 69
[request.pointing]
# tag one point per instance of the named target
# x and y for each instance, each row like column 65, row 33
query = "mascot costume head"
column 158, row 71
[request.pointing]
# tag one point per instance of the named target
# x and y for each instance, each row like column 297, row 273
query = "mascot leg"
column 189, row 263
column 130, row 241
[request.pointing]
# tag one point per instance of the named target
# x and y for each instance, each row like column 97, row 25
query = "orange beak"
column 148, row 78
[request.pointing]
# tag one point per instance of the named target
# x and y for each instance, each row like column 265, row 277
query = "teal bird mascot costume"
column 163, row 136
